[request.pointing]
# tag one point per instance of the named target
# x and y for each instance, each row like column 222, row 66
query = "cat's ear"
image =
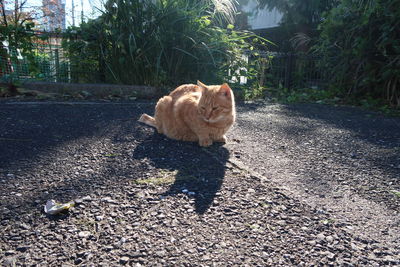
column 202, row 85
column 225, row 90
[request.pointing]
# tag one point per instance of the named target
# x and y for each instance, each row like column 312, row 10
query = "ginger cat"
column 197, row 113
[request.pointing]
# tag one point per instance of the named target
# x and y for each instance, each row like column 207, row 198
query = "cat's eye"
column 214, row 108
column 203, row 108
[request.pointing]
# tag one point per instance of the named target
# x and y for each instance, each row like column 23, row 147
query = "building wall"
column 261, row 19
column 54, row 15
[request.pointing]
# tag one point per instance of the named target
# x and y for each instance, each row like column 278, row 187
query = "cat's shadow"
column 194, row 171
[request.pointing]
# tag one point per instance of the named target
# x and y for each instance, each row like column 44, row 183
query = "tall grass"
column 164, row 42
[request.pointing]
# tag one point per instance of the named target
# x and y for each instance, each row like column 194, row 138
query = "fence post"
column 57, row 59
column 102, row 66
column 288, row 71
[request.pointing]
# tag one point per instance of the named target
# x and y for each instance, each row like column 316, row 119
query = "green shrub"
column 163, row 42
column 360, row 41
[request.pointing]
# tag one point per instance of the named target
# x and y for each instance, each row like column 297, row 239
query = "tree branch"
column 4, row 12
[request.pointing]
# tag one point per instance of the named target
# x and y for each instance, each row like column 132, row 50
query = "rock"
column 81, row 254
column 78, row 201
column 321, row 237
column 281, row 222
column 25, row 226
column 23, row 248
column 87, row 198
column 108, row 248
column 85, row 93
column 109, row 200
column 312, row 242
column 9, row 252
column 355, row 247
column 329, row 255
column 121, row 241
column 10, row 262
column 161, row 253
column 329, row 239
column 206, row 258
column 391, row 260
column 286, row 256
column 124, row 260
column 84, row 234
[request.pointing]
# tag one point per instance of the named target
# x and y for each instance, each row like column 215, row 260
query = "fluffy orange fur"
column 197, row 113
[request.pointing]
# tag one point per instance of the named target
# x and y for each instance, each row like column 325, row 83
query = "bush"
column 163, row 42
column 360, row 42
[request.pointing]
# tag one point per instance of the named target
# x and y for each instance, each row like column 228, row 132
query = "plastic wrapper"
column 52, row 207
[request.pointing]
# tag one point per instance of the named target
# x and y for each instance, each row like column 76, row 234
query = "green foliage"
column 19, row 36
column 83, row 46
column 360, row 41
column 163, row 42
column 319, row 96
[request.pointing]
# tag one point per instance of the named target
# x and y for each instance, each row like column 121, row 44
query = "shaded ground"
column 134, row 186
column 342, row 160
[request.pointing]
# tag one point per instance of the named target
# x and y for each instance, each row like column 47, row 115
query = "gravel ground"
column 341, row 159
column 295, row 186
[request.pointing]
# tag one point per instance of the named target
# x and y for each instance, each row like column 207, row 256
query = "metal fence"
column 51, row 63
column 289, row 70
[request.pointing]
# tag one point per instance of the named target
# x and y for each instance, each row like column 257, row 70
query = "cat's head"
column 216, row 103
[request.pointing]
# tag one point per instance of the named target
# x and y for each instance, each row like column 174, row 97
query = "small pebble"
column 10, row 261
column 87, row 198
column 124, row 260
column 312, row 242
column 84, row 234
column 329, row 238
column 9, row 252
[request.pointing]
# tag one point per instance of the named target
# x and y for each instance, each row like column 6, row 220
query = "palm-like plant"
column 167, row 42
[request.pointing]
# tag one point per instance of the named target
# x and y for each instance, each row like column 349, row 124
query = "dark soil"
column 289, row 189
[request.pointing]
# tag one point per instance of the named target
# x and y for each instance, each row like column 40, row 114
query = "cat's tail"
column 149, row 120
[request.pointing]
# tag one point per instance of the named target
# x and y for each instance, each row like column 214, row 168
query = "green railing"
column 48, row 61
